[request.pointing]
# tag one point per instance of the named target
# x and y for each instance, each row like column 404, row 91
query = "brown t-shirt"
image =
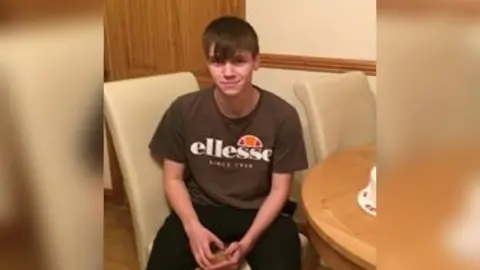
column 230, row 161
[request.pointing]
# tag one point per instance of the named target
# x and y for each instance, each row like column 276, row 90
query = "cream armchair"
column 340, row 110
column 133, row 109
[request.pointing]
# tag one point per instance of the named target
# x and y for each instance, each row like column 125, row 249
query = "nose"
column 227, row 70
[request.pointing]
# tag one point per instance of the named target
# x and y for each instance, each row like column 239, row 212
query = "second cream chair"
column 340, row 110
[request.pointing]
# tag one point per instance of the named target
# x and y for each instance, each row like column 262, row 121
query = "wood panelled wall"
column 16, row 10
column 146, row 37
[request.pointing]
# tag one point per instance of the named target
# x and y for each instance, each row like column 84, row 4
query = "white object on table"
column 367, row 197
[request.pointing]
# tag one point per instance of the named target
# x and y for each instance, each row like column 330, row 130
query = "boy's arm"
column 271, row 207
column 177, row 193
column 289, row 156
column 168, row 148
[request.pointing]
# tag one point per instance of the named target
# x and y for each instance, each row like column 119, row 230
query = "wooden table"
column 341, row 232
column 419, row 196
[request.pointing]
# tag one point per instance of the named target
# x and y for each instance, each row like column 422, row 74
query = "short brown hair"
column 229, row 35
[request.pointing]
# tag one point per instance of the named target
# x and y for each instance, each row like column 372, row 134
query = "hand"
column 201, row 241
column 236, row 251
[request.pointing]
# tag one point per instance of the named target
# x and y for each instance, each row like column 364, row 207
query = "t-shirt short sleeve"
column 289, row 151
column 168, row 141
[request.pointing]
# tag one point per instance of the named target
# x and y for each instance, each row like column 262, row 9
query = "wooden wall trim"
column 462, row 7
column 319, row 64
column 305, row 63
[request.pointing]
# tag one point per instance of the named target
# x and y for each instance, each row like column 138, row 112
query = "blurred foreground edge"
column 51, row 138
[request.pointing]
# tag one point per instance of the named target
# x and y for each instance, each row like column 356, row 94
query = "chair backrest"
column 340, row 110
column 133, row 109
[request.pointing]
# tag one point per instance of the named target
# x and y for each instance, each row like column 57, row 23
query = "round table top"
column 329, row 197
column 423, row 200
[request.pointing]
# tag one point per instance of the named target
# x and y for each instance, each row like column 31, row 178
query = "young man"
column 228, row 154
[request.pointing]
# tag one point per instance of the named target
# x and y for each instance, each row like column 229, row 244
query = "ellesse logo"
column 250, row 141
column 248, row 147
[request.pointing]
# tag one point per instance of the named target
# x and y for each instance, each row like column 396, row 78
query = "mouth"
column 229, row 84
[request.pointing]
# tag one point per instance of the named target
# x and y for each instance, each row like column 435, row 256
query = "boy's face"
column 234, row 75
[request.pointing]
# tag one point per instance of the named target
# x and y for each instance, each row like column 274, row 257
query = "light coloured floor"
column 119, row 253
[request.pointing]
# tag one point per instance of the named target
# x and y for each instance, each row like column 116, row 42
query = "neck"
column 239, row 106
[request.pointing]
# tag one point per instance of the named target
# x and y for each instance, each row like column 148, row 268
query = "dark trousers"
column 277, row 249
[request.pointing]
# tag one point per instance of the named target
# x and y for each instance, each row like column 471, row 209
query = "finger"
column 231, row 248
column 235, row 258
column 205, row 262
column 196, row 255
column 207, row 251
column 217, row 241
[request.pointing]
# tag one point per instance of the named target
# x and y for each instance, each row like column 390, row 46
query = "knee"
column 283, row 240
column 279, row 247
column 285, row 228
column 270, row 261
column 170, row 248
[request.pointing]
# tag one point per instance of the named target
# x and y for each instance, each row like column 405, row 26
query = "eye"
column 238, row 60
column 215, row 61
